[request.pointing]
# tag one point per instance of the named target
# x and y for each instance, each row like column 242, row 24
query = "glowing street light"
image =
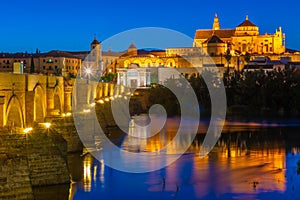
column 88, row 72
column 27, row 130
column 68, row 114
column 47, row 126
column 101, row 101
column 86, row 110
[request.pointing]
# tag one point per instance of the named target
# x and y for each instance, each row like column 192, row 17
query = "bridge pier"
column 2, row 111
column 29, row 108
column 68, row 100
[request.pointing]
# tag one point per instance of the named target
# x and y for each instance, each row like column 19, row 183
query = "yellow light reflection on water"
column 102, row 172
column 95, row 173
column 233, row 166
column 87, row 172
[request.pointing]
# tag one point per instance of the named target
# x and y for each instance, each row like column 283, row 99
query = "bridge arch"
column 148, row 63
column 57, row 98
column 159, row 62
column 127, row 63
column 138, row 62
column 14, row 113
column 39, row 104
column 171, row 63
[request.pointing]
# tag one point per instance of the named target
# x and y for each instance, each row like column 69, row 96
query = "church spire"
column 216, row 25
column 95, row 41
column 247, row 17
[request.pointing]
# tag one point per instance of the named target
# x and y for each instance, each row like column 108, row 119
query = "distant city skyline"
column 71, row 25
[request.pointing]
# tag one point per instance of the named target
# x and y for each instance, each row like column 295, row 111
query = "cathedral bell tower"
column 216, row 25
column 96, row 52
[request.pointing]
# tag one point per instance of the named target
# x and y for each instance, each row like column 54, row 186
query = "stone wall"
column 14, row 170
column 30, row 160
column 47, row 164
column 66, row 128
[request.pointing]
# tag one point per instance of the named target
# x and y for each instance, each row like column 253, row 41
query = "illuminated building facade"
column 51, row 63
column 242, row 39
column 147, row 59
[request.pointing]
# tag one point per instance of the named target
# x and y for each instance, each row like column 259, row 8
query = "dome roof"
column 246, row 22
column 214, row 39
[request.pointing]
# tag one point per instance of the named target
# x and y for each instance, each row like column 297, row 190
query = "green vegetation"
column 32, row 66
column 109, row 77
column 273, row 93
column 228, row 57
column 257, row 93
column 163, row 96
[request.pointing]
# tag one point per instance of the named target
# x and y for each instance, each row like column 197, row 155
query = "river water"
column 252, row 160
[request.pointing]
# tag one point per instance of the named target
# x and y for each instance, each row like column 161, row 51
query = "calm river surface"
column 252, row 160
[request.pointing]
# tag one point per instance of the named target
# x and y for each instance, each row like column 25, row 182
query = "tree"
column 163, row 96
column 247, row 57
column 58, row 71
column 228, row 58
column 32, row 65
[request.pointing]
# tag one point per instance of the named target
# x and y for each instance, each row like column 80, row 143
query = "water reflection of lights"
column 140, row 138
column 93, row 171
column 87, row 172
column 295, row 150
column 230, row 170
column 102, row 172
column 239, row 163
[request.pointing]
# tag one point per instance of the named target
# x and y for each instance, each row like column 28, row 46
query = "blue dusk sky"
column 71, row 25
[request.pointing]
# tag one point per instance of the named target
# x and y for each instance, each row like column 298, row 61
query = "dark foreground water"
column 250, row 161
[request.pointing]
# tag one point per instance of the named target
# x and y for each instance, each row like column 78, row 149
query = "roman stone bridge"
column 26, row 99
